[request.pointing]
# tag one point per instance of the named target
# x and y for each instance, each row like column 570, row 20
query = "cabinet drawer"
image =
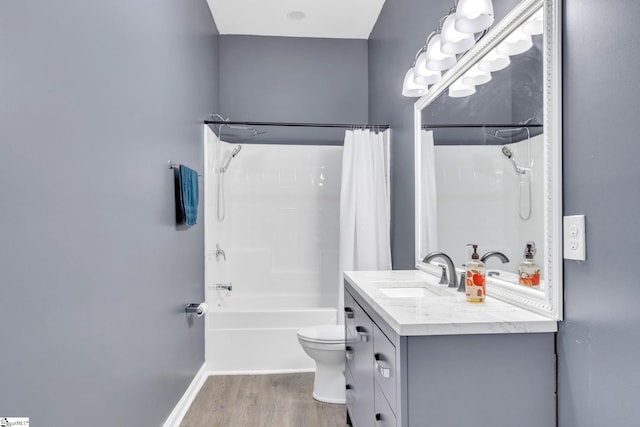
column 363, row 326
column 384, row 354
column 384, row 416
column 359, row 345
column 349, row 315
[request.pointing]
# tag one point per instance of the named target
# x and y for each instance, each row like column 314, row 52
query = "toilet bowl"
column 326, row 345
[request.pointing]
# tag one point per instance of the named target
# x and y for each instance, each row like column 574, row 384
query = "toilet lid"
column 323, row 333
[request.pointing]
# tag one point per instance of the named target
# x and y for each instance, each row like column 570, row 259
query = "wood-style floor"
column 282, row 400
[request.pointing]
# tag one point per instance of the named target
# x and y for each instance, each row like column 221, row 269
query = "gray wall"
column 94, row 276
column 285, row 79
column 598, row 340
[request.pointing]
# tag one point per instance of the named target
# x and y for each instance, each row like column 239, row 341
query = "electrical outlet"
column 573, row 244
column 574, row 238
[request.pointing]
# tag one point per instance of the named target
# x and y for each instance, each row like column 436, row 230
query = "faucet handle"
column 462, row 287
column 444, row 279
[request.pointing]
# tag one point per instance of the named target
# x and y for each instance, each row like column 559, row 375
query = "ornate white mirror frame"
column 547, row 300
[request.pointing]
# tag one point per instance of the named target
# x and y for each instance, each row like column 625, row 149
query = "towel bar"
column 176, row 166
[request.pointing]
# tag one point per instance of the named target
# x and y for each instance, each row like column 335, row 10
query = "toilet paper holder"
column 195, row 308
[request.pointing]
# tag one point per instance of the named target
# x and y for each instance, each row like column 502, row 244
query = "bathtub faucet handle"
column 223, row 287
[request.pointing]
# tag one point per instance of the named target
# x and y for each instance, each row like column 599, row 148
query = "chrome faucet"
column 220, row 253
column 502, row 257
column 453, row 279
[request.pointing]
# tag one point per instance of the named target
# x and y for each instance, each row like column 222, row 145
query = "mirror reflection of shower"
column 523, row 173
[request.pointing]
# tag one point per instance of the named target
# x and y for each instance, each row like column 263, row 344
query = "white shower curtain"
column 365, row 241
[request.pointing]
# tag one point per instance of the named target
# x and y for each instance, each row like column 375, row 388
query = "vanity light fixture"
column 410, row 88
column 438, row 54
column 515, row 43
column 475, row 76
column 534, row 25
column 458, row 89
column 454, row 35
column 454, row 41
column 423, row 75
column 437, row 60
column 494, row 61
column 473, row 16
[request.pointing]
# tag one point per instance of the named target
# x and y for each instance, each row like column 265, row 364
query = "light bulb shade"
column 534, row 25
column 410, row 88
column 475, row 76
column 437, row 60
column 473, row 16
column 494, row 61
column 452, row 40
column 459, row 89
column 516, row 43
column 423, row 75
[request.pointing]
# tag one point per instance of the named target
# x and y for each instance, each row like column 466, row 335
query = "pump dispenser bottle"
column 476, row 287
column 529, row 271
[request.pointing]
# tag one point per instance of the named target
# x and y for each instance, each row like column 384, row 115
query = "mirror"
column 488, row 158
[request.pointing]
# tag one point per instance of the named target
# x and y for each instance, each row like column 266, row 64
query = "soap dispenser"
column 528, row 270
column 476, row 287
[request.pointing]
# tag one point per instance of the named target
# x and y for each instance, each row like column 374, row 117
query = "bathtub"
column 258, row 334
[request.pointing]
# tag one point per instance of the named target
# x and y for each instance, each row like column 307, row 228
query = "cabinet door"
column 384, row 416
column 361, row 367
column 385, row 366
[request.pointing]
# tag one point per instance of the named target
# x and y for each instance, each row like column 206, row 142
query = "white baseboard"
column 178, row 413
column 260, row 372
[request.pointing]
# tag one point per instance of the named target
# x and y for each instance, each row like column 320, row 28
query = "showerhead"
column 233, row 154
column 509, row 155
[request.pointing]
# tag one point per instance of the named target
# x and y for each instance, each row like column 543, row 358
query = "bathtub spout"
column 220, row 253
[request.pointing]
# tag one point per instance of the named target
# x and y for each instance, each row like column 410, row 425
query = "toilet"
column 326, row 345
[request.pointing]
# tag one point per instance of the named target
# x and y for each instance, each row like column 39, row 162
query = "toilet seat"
column 323, row 334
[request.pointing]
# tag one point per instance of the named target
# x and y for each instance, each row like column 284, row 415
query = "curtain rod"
column 306, row 125
column 535, row 125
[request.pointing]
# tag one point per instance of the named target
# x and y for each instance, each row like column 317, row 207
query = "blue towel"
column 189, row 184
column 178, row 196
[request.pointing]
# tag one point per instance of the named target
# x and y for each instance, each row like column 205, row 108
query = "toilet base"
column 329, row 400
column 329, row 385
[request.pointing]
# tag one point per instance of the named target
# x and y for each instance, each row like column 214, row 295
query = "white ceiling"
column 343, row 19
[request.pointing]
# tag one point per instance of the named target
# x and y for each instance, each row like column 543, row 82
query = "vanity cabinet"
column 488, row 379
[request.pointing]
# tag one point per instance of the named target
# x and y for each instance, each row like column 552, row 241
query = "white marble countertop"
column 442, row 310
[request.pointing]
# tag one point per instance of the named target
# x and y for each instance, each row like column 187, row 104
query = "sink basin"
column 411, row 289
column 397, row 292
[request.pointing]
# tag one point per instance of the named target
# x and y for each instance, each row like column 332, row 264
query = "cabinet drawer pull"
column 362, row 333
column 378, row 418
column 348, row 387
column 349, row 353
column 348, row 312
column 384, row 371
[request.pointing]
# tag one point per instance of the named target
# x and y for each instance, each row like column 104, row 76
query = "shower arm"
column 226, row 122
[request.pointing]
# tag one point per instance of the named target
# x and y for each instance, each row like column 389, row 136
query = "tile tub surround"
column 442, row 311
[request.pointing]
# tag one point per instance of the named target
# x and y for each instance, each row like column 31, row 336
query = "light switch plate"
column 574, row 238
